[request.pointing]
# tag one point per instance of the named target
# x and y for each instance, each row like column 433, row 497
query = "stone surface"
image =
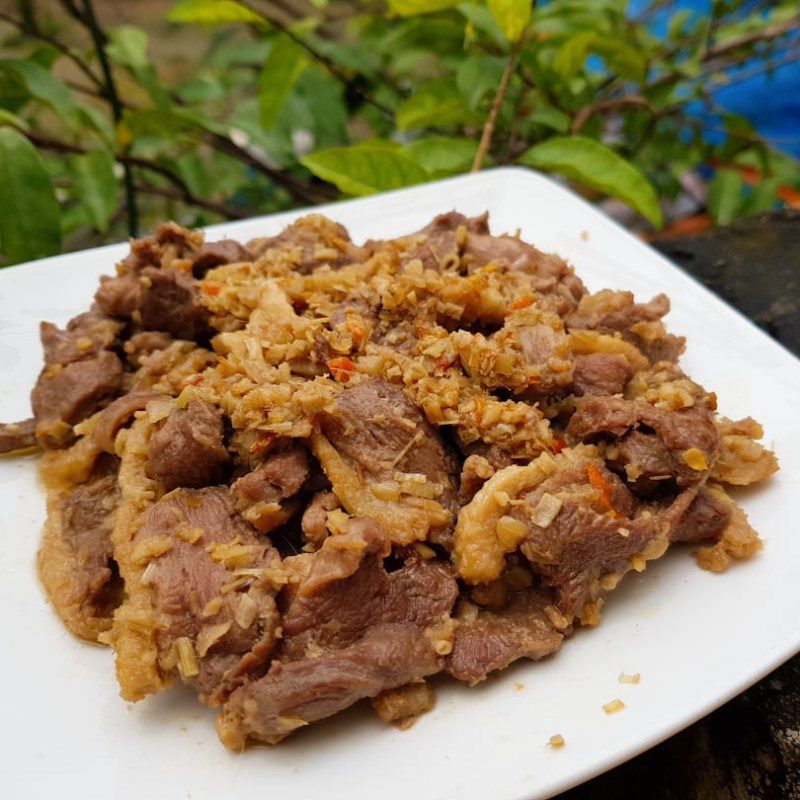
column 750, row 748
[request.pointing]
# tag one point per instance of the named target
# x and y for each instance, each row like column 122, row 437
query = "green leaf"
column 618, row 55
column 436, row 104
column 284, row 65
column 511, row 15
column 764, row 196
column 128, row 46
column 96, row 186
column 211, row 12
column 363, row 170
column 725, row 196
column 550, row 117
column 480, row 18
column 7, row 118
column 407, row 8
column 598, row 167
column 477, row 76
column 442, row 155
column 45, row 87
column 29, row 213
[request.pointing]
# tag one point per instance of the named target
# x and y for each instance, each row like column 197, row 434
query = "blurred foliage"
column 286, row 108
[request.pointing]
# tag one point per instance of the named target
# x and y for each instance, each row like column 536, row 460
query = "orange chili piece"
column 342, row 368
column 209, row 287
column 603, row 487
column 263, row 442
column 522, row 302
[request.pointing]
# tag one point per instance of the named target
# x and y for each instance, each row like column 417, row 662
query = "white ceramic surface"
column 696, row 638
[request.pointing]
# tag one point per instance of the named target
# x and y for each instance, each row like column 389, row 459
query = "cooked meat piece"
column 196, row 541
column 214, row 254
column 706, row 518
column 600, row 373
column 405, row 705
column 348, row 590
column 188, row 450
column 170, row 303
column 171, row 243
column 65, row 395
column 75, row 562
column 294, row 694
column 687, row 438
column 145, row 343
column 259, row 494
column 85, row 336
column 315, row 517
column 486, row 640
column 377, row 435
column 17, row 435
column 119, row 296
column 311, row 242
column 116, row 415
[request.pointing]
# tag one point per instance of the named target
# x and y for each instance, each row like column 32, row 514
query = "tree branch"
column 488, row 127
column 36, row 33
column 223, row 209
column 99, row 40
column 605, row 106
column 328, row 63
column 770, row 32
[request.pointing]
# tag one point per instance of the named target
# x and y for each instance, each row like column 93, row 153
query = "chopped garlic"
column 187, row 661
column 556, row 741
column 623, row 678
column 547, row 510
column 614, row 706
column 695, row 459
column 246, row 612
column 210, row 635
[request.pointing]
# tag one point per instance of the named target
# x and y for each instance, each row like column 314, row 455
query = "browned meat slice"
column 383, row 438
column 486, row 640
column 119, row 296
column 85, row 336
column 315, row 517
column 600, row 373
column 259, row 495
column 311, row 242
column 17, row 435
column 116, row 415
column 214, row 623
column 706, row 518
column 188, row 449
column 215, row 254
column 170, row 303
column 292, row 695
column 654, row 443
column 347, row 590
column 171, row 243
column 75, row 562
column 65, row 395
column 351, row 630
column 639, row 323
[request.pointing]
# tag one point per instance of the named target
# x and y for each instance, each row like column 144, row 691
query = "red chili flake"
column 263, row 442
column 211, row 288
column 342, row 368
column 559, row 443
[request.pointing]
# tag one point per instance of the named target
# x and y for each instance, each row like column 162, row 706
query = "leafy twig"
column 606, row 106
column 488, row 127
column 116, row 109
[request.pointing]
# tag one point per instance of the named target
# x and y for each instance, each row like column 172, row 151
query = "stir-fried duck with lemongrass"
column 299, row 472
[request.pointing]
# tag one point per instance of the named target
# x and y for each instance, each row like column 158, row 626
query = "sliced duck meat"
column 654, row 443
column 311, row 242
column 17, row 435
column 386, row 461
column 170, row 303
column 351, row 631
column 188, row 450
column 215, row 254
column 600, row 374
column 489, row 640
column 260, row 494
column 85, row 337
column 65, row 395
column 171, row 245
column 119, row 296
column 315, row 517
column 116, row 415
column 705, row 519
column 75, row 562
column 294, row 694
column 216, row 620
column 741, row 459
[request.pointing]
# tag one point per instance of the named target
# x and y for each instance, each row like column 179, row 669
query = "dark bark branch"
column 223, row 209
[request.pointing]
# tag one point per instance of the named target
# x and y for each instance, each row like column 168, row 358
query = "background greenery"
column 297, row 103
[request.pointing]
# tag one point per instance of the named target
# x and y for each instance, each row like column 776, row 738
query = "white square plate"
column 696, row 638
